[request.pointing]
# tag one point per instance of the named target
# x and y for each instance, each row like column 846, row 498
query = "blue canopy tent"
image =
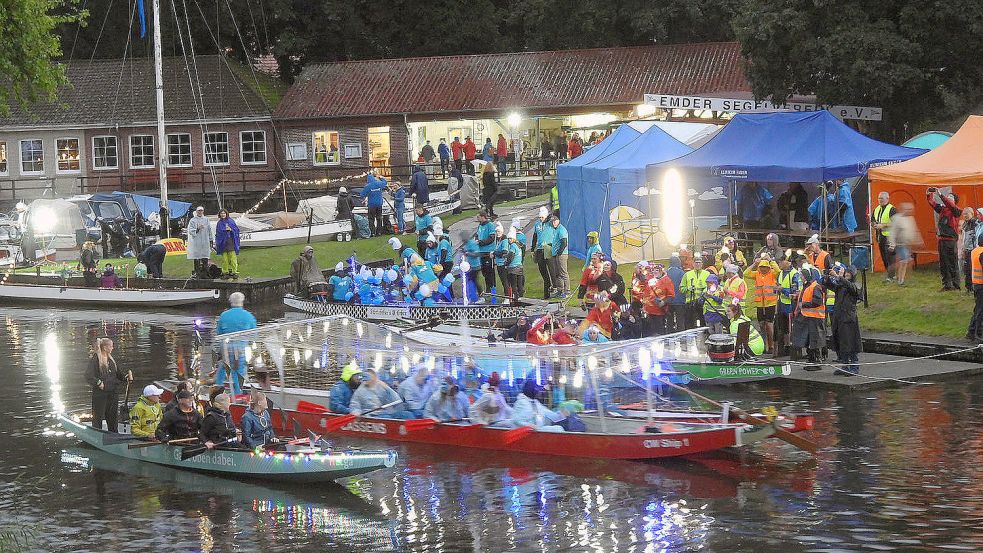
column 150, row 204
column 784, row 147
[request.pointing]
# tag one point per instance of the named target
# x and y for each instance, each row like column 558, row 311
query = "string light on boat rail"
column 315, row 182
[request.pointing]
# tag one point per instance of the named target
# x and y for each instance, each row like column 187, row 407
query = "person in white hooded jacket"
column 416, row 391
column 201, row 240
column 528, row 411
column 491, row 408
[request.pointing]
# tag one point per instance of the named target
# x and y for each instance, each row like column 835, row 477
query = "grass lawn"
column 917, row 307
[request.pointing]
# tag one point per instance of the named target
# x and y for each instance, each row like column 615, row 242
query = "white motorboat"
column 104, row 297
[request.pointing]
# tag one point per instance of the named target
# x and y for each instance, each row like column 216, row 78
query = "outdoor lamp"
column 43, row 220
column 673, row 193
column 514, row 119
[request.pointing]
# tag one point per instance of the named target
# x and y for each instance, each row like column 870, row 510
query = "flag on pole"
column 143, row 19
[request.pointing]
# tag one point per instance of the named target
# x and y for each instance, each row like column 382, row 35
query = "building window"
column 326, row 150
column 3, row 158
column 179, row 150
column 105, row 152
column 141, row 151
column 252, row 147
column 32, row 156
column 69, row 159
column 216, row 148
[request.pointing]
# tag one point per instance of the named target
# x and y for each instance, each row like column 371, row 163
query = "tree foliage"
column 914, row 58
column 28, row 47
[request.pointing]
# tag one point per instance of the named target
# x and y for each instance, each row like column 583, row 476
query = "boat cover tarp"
column 928, row 140
column 957, row 165
column 149, row 204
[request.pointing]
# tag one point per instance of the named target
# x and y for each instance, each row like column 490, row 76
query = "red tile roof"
column 449, row 84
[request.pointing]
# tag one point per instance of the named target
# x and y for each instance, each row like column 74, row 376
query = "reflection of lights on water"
column 52, row 367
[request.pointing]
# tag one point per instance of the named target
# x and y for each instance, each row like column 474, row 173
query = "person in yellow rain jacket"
column 146, row 413
column 764, row 274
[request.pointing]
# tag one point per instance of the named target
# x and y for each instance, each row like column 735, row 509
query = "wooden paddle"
column 781, row 434
column 335, row 424
column 195, row 451
column 172, row 442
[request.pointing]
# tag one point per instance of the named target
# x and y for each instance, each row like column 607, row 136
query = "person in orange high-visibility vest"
column 764, row 273
column 975, row 331
column 809, row 326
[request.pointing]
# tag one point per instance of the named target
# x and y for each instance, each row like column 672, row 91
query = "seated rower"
column 146, row 413
column 448, row 403
column 305, row 271
column 182, row 421
column 257, row 425
column 374, row 393
column 217, row 428
column 749, row 341
column 416, row 391
column 491, row 408
column 109, row 278
column 528, row 411
column 342, row 391
column 593, row 335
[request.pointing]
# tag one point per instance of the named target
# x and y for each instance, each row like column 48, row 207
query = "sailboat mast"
column 161, row 137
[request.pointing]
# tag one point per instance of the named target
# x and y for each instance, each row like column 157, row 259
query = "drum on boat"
column 721, row 347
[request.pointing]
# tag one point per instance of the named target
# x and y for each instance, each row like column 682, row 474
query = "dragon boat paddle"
column 516, row 434
column 781, row 434
column 337, row 423
column 151, row 444
column 196, row 451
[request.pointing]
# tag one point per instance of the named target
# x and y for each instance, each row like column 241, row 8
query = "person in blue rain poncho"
column 752, row 199
column 528, row 411
column 839, row 207
column 593, row 335
column 448, row 403
column 373, row 393
column 416, row 390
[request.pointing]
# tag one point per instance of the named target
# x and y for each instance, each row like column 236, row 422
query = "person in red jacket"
column 575, row 147
column 588, row 280
column 567, row 334
column 948, row 235
column 501, row 155
column 469, row 151
column 602, row 314
column 539, row 333
column 656, row 302
column 457, row 153
column 639, row 284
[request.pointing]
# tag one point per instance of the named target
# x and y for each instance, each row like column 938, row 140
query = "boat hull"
column 104, row 296
column 732, row 373
column 321, row 232
column 236, row 463
column 447, row 312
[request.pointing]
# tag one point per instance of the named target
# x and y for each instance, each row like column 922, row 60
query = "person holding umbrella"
column 227, row 244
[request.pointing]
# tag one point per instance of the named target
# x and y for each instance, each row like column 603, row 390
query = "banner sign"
column 174, row 246
column 736, row 105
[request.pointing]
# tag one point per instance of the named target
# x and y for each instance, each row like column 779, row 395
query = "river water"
column 899, row 471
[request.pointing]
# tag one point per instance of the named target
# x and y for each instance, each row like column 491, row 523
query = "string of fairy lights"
column 315, row 182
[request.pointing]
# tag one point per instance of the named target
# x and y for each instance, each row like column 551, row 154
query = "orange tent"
column 957, row 163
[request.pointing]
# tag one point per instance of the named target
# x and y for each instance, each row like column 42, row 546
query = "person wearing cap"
column 502, row 250
column 593, row 247
column 749, row 343
column 541, row 237
column 846, row 340
column 200, row 242
column 234, row 319
column 346, row 209
column 809, row 320
column 528, row 411
column 340, row 398
column 822, row 261
column 146, row 413
column 371, row 194
column 714, row 305
column 658, row 292
column 558, row 259
column 416, row 390
column 691, row 288
column 373, row 393
column 491, row 408
column 764, row 273
column 485, row 235
column 612, row 282
column 513, row 266
column 181, row 422
column 256, row 424
column 447, row 403
column 789, row 282
column 305, row 271
column 676, row 316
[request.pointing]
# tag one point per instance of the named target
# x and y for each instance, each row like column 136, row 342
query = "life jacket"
column 820, row 260
column 807, row 296
column 765, row 289
column 754, row 341
column 882, row 215
column 977, row 266
column 785, row 280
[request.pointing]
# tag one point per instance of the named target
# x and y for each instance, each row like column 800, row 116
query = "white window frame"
column 242, row 150
column 293, row 151
column 95, row 150
column 4, row 171
column 191, row 155
column 20, row 156
column 153, row 149
column 204, row 149
column 314, row 149
column 78, row 144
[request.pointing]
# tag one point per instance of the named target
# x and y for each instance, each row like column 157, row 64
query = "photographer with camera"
column 846, row 328
column 948, row 234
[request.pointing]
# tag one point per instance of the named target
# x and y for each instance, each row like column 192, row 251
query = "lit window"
column 216, row 148
column 179, row 150
column 326, row 150
column 3, row 158
column 141, row 151
column 32, row 156
column 252, row 146
column 105, row 153
column 68, row 155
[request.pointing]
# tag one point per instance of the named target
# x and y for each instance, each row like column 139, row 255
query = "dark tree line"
column 915, row 58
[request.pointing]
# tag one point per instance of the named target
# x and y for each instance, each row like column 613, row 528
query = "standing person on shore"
column 691, row 288
column 513, row 264
column 469, row 154
column 488, row 151
column 558, row 258
column 457, row 149
column 658, row 293
column 227, row 244
column 489, row 188
column 234, row 319
column 575, row 147
column 346, row 210
column 372, row 196
column 903, row 236
column 676, row 317
column 967, row 241
column 445, row 157
column 764, row 272
column 543, row 235
column 485, row 235
column 105, row 376
column 200, row 242
column 399, row 205
column 501, row 252
column 809, row 326
column 975, row 331
column 789, row 283
column 501, row 154
column 420, row 186
column 948, row 234
column 428, row 156
column 846, row 339
column 880, row 219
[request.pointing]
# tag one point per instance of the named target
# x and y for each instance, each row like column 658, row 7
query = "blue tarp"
column 150, row 204
column 786, row 147
column 929, row 140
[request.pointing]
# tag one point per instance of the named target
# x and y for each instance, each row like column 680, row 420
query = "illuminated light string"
column 315, row 182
